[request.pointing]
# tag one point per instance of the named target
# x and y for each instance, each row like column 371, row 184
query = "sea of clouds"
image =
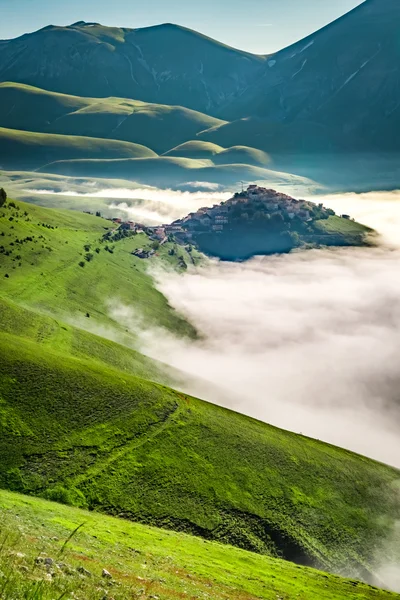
column 308, row 341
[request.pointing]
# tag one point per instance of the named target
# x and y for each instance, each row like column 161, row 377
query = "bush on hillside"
column 71, row 496
column 3, row 197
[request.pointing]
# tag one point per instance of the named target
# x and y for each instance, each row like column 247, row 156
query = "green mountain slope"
column 165, row 64
column 132, row 448
column 170, row 170
column 149, row 562
column 27, row 150
column 219, row 155
column 156, row 126
column 41, row 250
column 195, row 149
column 83, row 421
column 339, row 80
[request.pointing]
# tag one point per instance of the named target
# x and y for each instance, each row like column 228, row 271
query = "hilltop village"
column 254, row 221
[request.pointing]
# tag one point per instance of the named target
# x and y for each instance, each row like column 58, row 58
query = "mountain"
column 165, row 64
column 88, row 421
column 156, row 126
column 337, row 90
column 170, row 565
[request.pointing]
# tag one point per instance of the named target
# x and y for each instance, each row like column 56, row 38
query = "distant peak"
column 83, row 24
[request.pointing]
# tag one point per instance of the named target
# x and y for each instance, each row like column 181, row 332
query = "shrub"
column 82, row 264
column 70, row 496
column 3, row 196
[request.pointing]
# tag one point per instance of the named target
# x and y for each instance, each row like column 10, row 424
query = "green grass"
column 242, row 155
column 170, row 171
column 137, row 449
column 156, row 126
column 83, row 419
column 27, row 150
column 195, row 149
column 44, row 272
column 336, row 224
column 143, row 562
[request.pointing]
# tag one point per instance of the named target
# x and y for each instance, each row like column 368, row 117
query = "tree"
column 3, row 197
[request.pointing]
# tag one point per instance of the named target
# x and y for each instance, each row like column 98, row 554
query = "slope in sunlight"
column 27, row 150
column 149, row 561
column 156, row 126
column 99, row 432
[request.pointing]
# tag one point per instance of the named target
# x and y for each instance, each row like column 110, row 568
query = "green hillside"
column 27, row 150
column 195, row 149
column 83, row 420
column 41, row 251
column 143, row 562
column 242, row 155
column 157, row 126
column 219, row 155
column 170, row 170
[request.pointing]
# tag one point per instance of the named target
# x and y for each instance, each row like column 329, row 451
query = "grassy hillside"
column 26, row 150
column 219, row 155
column 168, row 170
column 82, row 420
column 195, row 149
column 79, row 432
column 242, row 155
column 143, row 562
column 156, row 126
column 41, row 251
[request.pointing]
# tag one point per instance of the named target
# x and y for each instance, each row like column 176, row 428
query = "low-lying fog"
column 308, row 341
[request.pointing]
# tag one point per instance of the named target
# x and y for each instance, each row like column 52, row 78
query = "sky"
column 259, row 26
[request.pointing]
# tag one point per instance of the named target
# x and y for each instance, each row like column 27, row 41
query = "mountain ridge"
column 145, row 63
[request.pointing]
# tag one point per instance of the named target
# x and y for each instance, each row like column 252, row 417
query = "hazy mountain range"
column 336, row 92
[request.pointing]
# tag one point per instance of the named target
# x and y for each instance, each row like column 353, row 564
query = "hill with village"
column 258, row 221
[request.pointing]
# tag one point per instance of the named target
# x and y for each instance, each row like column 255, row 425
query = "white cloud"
column 308, row 341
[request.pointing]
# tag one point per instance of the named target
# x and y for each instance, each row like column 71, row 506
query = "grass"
column 28, row 150
column 130, row 447
column 44, row 273
column 83, row 420
column 143, row 562
column 242, row 155
column 195, row 149
column 156, row 126
column 170, row 171
column 336, row 224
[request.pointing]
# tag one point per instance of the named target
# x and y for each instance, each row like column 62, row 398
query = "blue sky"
column 260, row 26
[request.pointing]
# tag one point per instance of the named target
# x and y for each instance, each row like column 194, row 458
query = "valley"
column 199, row 322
